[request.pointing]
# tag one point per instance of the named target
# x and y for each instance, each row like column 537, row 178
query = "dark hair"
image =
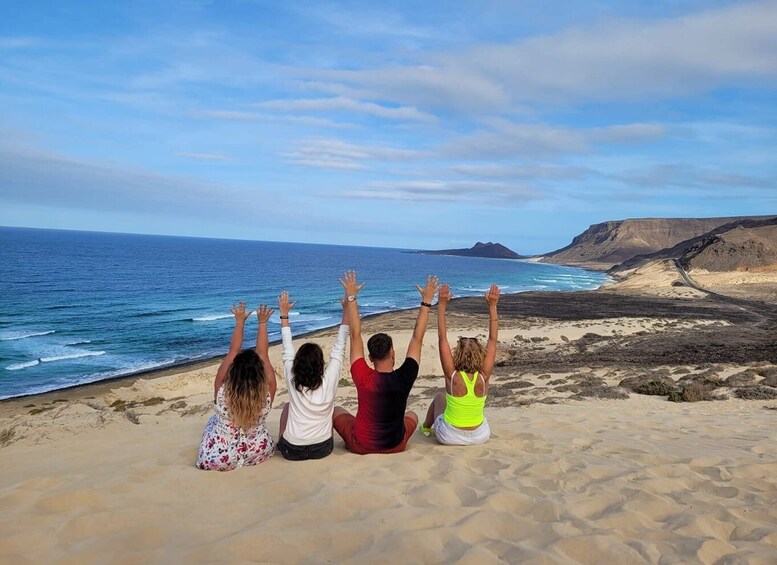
column 379, row 346
column 308, row 367
column 246, row 389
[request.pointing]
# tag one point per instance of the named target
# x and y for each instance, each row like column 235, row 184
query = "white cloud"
column 242, row 116
column 343, row 104
column 507, row 139
column 673, row 175
column 30, row 176
column 614, row 60
column 338, row 154
column 542, row 172
column 445, row 191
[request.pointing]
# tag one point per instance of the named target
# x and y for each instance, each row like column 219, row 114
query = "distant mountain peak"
column 488, row 250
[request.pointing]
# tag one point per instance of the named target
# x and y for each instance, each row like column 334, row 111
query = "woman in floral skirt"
column 244, row 389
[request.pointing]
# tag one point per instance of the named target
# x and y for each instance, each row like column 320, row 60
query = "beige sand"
column 640, row 480
column 759, row 284
column 659, row 278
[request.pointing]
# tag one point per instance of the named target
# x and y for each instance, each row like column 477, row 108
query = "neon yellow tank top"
column 464, row 411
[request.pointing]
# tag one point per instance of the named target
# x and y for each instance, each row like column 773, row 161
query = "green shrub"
column 655, row 388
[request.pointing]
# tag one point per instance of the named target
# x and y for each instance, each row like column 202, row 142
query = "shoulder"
column 360, row 368
column 409, row 367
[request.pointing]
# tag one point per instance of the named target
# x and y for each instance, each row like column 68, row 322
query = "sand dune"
column 105, row 473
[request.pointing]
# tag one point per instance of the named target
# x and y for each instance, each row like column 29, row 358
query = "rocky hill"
column 605, row 245
column 738, row 249
column 480, row 249
column 736, row 233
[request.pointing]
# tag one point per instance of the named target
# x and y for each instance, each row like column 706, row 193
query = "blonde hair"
column 246, row 389
column 468, row 355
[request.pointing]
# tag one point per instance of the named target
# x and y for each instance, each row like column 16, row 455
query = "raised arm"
column 492, row 298
column 446, row 357
column 284, row 307
column 235, row 343
column 427, row 295
column 263, row 314
column 335, row 365
column 352, row 288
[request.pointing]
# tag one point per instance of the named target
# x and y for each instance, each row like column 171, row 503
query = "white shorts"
column 451, row 435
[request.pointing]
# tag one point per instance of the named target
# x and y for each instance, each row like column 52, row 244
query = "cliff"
column 742, row 243
column 603, row 246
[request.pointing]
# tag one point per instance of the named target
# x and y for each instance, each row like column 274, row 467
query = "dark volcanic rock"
column 756, row 392
column 480, row 249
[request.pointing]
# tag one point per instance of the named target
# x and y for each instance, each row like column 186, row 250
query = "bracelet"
column 283, row 317
column 262, row 321
column 426, row 304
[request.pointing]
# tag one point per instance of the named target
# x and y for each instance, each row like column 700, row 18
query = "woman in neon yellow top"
column 456, row 415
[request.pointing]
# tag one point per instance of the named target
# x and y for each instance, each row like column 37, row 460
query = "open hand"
column 283, row 303
column 349, row 283
column 492, row 296
column 427, row 293
column 263, row 313
column 444, row 294
column 239, row 312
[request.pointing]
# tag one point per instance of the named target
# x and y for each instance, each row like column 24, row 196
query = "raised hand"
column 283, row 303
column 351, row 286
column 427, row 293
column 444, row 294
column 239, row 312
column 263, row 313
column 492, row 296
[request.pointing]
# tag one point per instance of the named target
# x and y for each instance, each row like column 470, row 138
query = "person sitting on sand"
column 306, row 421
column 245, row 386
column 456, row 415
column 381, row 424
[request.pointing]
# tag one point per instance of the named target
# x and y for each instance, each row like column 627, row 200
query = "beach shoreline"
column 579, row 466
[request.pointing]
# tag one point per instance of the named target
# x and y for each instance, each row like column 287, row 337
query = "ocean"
column 79, row 307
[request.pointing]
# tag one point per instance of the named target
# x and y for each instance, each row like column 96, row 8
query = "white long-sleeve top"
column 310, row 411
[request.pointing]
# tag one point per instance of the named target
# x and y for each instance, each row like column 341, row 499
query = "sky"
column 395, row 124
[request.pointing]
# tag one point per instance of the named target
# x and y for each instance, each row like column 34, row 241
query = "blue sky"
column 423, row 125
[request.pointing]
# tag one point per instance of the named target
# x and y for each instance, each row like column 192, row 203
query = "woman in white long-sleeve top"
column 306, row 421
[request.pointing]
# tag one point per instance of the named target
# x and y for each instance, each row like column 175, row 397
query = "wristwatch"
column 351, row 298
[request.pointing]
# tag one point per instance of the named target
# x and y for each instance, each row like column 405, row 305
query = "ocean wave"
column 312, row 318
column 152, row 313
column 79, row 342
column 25, row 336
column 211, row 318
column 19, row 366
column 71, row 356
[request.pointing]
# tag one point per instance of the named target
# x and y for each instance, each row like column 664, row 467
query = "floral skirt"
column 224, row 447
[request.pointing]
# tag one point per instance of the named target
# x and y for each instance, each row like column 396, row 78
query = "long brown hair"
column 468, row 355
column 246, row 389
column 308, row 367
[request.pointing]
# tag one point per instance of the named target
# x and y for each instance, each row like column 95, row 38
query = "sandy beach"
column 580, row 467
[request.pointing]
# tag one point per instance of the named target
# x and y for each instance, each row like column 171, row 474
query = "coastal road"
column 687, row 279
column 765, row 311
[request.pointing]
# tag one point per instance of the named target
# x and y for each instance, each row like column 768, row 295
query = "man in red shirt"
column 381, row 424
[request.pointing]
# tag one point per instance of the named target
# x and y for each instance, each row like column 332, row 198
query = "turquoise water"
column 79, row 307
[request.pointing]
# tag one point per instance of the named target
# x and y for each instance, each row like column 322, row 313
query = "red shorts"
column 343, row 424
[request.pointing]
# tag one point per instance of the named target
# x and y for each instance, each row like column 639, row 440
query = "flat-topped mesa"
column 605, row 245
column 488, row 250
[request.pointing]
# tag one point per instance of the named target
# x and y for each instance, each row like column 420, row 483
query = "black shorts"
column 304, row 452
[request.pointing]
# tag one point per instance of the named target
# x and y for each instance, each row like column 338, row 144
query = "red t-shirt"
column 380, row 419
